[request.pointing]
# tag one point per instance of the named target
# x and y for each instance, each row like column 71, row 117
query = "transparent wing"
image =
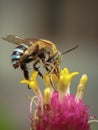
column 14, row 39
column 19, row 40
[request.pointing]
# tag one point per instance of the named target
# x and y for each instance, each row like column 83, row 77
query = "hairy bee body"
column 38, row 51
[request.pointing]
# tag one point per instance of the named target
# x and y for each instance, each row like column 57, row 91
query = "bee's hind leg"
column 37, row 68
column 25, row 72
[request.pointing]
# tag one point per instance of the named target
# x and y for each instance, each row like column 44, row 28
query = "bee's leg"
column 44, row 65
column 47, row 69
column 37, row 68
column 54, row 63
column 54, row 68
column 25, row 72
column 50, row 65
column 28, row 52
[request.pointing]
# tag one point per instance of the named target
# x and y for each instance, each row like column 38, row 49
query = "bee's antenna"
column 70, row 50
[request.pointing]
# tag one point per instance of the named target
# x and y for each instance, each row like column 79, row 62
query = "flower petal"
column 25, row 81
column 47, row 94
column 81, row 87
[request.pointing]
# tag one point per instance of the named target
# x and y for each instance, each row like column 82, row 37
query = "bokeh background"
column 66, row 23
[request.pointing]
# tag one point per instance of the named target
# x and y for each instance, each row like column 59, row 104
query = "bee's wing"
column 19, row 40
column 14, row 39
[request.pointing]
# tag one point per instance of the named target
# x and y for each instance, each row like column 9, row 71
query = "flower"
column 58, row 109
column 32, row 82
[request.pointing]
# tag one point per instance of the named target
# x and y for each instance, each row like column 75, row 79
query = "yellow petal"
column 47, row 80
column 65, row 79
column 64, row 72
column 33, row 85
column 81, row 87
column 84, row 79
column 25, row 81
column 32, row 82
column 47, row 94
column 34, row 75
column 55, row 80
column 71, row 75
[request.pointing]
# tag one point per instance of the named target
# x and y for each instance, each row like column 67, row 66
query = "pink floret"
column 65, row 115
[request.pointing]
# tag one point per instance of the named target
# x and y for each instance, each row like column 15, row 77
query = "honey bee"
column 38, row 51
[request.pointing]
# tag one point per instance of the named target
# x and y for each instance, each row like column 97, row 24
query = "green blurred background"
column 65, row 22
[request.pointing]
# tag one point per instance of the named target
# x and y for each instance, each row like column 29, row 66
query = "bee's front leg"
column 54, row 68
column 49, row 65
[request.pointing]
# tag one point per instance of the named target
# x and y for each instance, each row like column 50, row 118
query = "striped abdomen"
column 17, row 53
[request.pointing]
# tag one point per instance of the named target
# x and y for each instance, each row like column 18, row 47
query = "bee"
column 37, row 51
column 34, row 50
